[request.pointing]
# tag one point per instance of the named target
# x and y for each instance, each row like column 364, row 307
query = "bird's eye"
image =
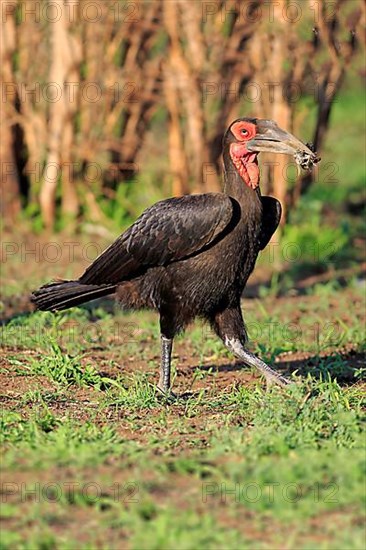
column 244, row 132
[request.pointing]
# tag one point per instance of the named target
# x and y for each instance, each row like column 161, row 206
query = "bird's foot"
column 276, row 378
column 166, row 394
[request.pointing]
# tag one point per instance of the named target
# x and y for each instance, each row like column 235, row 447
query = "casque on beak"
column 272, row 139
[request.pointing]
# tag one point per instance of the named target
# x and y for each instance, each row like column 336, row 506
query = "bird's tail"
column 64, row 294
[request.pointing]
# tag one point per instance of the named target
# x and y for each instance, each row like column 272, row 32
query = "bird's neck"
column 237, row 188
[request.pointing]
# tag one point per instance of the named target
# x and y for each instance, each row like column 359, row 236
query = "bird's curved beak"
column 272, row 139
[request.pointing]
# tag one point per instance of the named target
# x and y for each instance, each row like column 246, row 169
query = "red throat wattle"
column 246, row 164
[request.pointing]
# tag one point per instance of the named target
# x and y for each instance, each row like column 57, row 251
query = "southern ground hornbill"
column 191, row 256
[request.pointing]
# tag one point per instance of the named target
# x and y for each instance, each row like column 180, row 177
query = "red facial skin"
column 244, row 161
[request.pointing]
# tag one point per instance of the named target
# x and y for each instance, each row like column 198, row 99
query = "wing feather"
column 168, row 231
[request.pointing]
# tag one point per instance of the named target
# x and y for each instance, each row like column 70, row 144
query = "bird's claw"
column 280, row 380
column 166, row 394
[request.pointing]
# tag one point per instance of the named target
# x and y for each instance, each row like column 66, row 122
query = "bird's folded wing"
column 271, row 216
column 168, row 231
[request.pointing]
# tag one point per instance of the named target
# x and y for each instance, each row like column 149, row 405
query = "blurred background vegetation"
column 108, row 106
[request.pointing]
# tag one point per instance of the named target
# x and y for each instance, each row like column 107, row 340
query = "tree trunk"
column 176, row 148
column 10, row 184
column 72, row 59
column 58, row 166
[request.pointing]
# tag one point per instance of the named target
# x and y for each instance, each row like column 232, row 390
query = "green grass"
column 228, row 465
column 281, row 458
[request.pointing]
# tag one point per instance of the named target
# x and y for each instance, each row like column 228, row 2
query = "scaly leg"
column 229, row 325
column 166, row 353
column 272, row 377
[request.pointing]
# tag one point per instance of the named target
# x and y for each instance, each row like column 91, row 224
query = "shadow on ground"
column 339, row 365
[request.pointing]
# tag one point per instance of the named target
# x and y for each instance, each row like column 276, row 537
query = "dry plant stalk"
column 196, row 66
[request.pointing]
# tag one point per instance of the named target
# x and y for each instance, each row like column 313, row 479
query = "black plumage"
column 188, row 257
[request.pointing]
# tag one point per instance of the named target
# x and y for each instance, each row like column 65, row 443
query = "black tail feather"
column 65, row 294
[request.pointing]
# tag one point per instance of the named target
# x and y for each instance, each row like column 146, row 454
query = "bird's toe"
column 166, row 394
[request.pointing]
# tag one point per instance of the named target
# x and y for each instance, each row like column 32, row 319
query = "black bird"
column 191, row 256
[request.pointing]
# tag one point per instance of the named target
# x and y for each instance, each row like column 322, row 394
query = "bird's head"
column 246, row 137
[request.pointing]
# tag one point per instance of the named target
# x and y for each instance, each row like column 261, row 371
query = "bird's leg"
column 229, row 325
column 272, row 377
column 166, row 353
